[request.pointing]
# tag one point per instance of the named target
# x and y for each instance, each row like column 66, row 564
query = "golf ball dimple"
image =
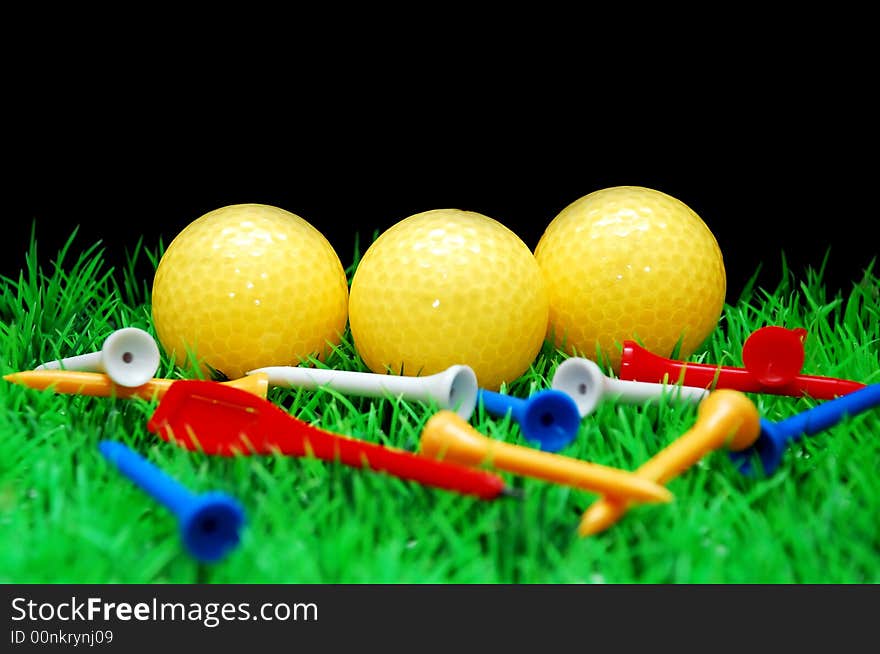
column 448, row 287
column 630, row 262
column 247, row 286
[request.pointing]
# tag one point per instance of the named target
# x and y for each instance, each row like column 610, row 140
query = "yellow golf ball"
column 631, row 263
column 449, row 287
column 246, row 286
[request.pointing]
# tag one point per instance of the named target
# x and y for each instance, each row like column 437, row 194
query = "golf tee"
column 448, row 437
column 99, row 384
column 725, row 417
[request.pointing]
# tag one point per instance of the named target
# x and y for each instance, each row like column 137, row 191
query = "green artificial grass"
column 67, row 516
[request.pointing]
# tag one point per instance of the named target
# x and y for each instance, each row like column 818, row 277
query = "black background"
column 760, row 197
column 773, row 157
